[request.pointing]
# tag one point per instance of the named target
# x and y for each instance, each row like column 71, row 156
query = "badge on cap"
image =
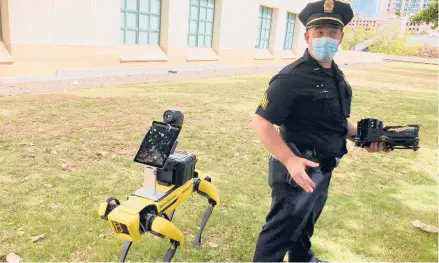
column 329, row 6
column 327, row 12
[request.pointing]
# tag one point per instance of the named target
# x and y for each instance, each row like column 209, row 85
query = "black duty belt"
column 326, row 163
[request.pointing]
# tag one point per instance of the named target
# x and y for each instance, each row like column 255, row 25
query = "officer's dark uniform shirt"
column 310, row 105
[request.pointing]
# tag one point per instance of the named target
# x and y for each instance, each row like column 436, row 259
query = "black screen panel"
column 157, row 144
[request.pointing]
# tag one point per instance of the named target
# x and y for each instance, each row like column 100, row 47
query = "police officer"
column 310, row 101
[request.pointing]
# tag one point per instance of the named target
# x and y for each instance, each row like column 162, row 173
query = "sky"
column 369, row 8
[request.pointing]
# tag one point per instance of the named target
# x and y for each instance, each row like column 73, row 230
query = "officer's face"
column 323, row 31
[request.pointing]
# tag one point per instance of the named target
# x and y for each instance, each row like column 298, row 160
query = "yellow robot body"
column 170, row 179
column 129, row 220
column 125, row 225
column 125, row 219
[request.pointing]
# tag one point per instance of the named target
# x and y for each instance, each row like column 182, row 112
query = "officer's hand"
column 377, row 147
column 296, row 167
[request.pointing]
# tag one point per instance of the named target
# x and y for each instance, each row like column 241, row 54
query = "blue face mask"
column 324, row 49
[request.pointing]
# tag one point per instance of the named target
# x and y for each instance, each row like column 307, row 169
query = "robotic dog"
column 395, row 137
column 170, row 178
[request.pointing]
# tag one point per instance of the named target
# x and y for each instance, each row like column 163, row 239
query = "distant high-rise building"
column 382, row 7
column 392, row 6
column 369, row 8
column 407, row 7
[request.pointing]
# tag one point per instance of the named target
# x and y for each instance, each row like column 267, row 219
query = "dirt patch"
column 9, row 89
column 413, row 75
column 80, row 255
column 99, row 87
column 6, row 112
column 392, row 87
column 3, row 129
column 201, row 122
column 105, row 92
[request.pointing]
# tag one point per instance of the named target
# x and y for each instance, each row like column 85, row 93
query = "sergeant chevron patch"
column 264, row 101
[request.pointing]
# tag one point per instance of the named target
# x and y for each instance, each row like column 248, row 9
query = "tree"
column 357, row 35
column 387, row 40
column 427, row 15
column 391, row 41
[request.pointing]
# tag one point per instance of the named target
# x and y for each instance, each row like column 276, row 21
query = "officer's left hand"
column 377, row 147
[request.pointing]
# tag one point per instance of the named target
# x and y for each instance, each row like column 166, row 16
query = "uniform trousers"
column 289, row 224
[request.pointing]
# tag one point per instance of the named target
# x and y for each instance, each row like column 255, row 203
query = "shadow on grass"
column 374, row 223
column 350, row 233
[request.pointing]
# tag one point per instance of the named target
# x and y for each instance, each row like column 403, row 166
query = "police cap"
column 336, row 13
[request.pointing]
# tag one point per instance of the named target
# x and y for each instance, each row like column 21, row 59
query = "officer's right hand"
column 296, row 167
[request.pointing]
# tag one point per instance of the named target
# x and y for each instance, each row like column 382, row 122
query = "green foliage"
column 392, row 41
column 388, row 41
column 395, row 47
column 427, row 15
column 354, row 36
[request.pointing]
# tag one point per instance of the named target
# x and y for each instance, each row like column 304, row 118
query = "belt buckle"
column 308, row 153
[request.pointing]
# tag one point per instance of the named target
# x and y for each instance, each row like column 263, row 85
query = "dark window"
column 1, row 33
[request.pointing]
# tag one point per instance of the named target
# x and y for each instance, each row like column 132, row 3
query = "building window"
column 201, row 17
column 426, row 3
column 140, row 22
column 291, row 19
column 264, row 26
column 1, row 33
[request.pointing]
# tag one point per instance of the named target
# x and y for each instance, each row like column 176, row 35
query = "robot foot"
column 125, row 249
column 171, row 252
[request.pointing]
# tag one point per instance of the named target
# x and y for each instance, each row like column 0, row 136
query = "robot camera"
column 173, row 117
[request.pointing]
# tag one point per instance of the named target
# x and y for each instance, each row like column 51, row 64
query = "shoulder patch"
column 264, row 101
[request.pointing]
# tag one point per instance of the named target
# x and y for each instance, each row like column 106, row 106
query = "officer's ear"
column 307, row 35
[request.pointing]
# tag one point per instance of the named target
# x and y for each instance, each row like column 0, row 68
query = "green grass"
column 82, row 143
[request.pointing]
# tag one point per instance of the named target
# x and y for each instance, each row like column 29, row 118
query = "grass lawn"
column 62, row 154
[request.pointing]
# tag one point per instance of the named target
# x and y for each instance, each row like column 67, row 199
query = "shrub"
column 395, row 47
column 428, row 52
column 354, row 36
column 388, row 41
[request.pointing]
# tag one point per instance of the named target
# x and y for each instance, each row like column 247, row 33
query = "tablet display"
column 157, row 144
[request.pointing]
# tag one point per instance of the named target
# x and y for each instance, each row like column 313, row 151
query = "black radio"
column 394, row 137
